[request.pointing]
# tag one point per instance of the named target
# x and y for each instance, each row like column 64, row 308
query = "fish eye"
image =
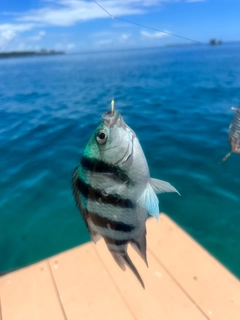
column 102, row 137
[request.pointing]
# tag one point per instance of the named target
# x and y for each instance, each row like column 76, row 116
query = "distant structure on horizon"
column 42, row 52
column 214, row 42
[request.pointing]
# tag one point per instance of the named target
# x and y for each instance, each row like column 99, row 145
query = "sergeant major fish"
column 113, row 189
column 234, row 134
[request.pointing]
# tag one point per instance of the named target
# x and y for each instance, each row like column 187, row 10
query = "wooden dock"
column 182, row 282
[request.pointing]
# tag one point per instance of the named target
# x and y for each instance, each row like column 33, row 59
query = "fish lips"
column 110, row 120
column 115, row 119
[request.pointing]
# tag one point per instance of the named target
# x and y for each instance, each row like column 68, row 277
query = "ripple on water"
column 176, row 100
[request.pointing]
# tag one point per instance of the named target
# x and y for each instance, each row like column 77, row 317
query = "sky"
column 82, row 25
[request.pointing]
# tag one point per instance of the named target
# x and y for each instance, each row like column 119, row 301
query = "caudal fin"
column 123, row 259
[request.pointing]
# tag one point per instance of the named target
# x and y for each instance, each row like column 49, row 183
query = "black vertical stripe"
column 109, row 224
column 76, row 194
column 95, row 165
column 96, row 195
column 116, row 242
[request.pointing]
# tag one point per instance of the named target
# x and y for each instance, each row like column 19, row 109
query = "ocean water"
column 178, row 101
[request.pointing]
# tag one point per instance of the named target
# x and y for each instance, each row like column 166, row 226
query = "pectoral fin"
column 160, row 186
column 149, row 201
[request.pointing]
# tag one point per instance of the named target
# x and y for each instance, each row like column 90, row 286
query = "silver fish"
column 113, row 189
column 234, row 134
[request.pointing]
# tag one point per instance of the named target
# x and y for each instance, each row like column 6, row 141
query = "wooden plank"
column 0, row 308
column 29, row 294
column 214, row 289
column 85, row 288
column 162, row 298
column 182, row 282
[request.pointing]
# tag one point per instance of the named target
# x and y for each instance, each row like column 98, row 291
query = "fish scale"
column 114, row 192
column 234, row 135
column 234, row 132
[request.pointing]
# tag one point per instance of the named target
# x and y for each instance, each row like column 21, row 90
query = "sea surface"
column 178, row 101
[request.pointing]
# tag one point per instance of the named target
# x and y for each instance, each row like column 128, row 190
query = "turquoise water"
column 178, row 100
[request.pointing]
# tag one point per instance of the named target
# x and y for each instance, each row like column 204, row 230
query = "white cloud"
column 69, row 12
column 65, row 45
column 103, row 42
column 9, row 31
column 110, row 38
column 59, row 46
column 124, row 36
column 70, row 46
column 41, row 33
column 15, row 27
column 102, row 34
column 38, row 36
column 7, row 34
column 195, row 0
column 154, row 35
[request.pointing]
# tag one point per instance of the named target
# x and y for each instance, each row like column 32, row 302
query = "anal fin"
column 124, row 259
column 139, row 245
column 129, row 263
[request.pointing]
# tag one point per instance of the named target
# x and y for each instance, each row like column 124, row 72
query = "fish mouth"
column 111, row 119
column 115, row 119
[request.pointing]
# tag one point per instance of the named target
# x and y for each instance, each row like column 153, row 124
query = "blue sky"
column 81, row 25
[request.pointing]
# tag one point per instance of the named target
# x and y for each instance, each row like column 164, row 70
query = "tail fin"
column 122, row 259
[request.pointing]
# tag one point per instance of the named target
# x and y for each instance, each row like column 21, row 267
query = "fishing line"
column 144, row 26
column 139, row 25
column 112, row 76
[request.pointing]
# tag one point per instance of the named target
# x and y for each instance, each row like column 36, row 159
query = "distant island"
column 42, row 52
column 214, row 42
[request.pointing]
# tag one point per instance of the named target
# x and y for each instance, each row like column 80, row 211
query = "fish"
column 234, row 134
column 113, row 190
